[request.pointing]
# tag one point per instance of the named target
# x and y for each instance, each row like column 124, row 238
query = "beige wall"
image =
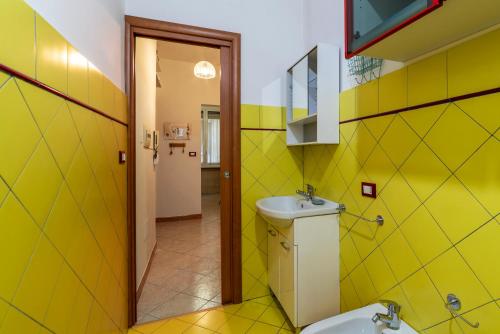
column 179, row 100
column 145, row 172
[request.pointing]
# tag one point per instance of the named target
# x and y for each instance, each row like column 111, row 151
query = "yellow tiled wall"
column 437, row 171
column 62, row 192
column 268, row 168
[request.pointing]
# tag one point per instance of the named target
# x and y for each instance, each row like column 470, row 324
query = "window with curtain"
column 210, row 136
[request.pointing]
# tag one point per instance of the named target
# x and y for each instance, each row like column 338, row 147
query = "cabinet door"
column 368, row 22
column 273, row 259
column 287, row 279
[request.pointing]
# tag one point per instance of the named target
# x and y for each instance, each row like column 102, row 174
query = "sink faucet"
column 391, row 319
column 309, row 194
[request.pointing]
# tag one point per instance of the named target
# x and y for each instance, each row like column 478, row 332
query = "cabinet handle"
column 271, row 232
column 284, row 244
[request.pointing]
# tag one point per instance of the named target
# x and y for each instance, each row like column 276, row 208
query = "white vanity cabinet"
column 303, row 268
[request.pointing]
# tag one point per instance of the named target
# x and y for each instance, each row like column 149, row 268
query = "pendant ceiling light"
column 204, row 70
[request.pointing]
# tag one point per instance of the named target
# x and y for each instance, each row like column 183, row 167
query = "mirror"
column 300, row 90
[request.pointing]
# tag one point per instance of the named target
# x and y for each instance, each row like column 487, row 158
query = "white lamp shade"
column 204, row 70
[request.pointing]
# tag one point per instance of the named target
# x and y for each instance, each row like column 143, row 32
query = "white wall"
column 145, row 171
column 179, row 100
column 271, row 36
column 94, row 27
column 324, row 22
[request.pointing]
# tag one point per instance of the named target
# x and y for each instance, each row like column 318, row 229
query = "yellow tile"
column 96, row 92
column 454, row 137
column 17, row 37
column 349, row 166
column 455, row 210
column 399, row 256
column 3, row 78
column 398, row 141
column 251, row 310
column 481, row 252
column 379, row 208
column 52, row 56
column 424, row 300
column 450, row 274
column 62, row 126
column 348, row 295
column 198, row 330
column 393, row 90
column 230, row 308
column 363, row 285
column 364, row 239
column 422, row 177
column 16, row 244
column 273, row 316
column 36, row 288
column 4, row 190
column 38, row 184
column 121, row 105
column 15, row 122
column 448, row 327
column 367, row 96
column 424, row 235
column 265, row 300
column 480, row 175
column 427, row 80
column 16, row 322
column 82, row 118
column 250, row 116
column 399, row 198
column 378, row 125
column 192, row 318
column 379, row 167
column 260, row 328
column 270, row 117
column 483, row 110
column 58, row 313
column 173, row 326
column 78, row 75
column 349, row 253
column 347, row 104
column 235, row 325
column 298, row 113
column 81, row 310
column 379, row 271
column 78, row 175
column 488, row 317
column 362, row 143
column 466, row 74
column 284, row 111
column 286, row 331
column 43, row 105
column 348, row 129
column 421, row 120
column 213, row 319
column 108, row 97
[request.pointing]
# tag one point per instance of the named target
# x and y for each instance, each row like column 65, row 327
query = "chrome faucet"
column 309, row 194
column 391, row 319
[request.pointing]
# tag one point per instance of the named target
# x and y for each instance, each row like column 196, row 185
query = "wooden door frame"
column 230, row 45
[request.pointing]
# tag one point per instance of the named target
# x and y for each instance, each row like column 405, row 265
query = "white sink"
column 282, row 210
column 357, row 322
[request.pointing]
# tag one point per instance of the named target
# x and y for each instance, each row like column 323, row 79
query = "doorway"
column 222, row 211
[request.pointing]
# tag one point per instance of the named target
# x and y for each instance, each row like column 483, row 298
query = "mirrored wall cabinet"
column 313, row 98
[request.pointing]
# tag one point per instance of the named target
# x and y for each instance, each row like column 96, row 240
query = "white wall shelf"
column 313, row 86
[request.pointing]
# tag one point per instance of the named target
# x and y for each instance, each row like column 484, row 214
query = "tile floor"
column 258, row 316
column 185, row 272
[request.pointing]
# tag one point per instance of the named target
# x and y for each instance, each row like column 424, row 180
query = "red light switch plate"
column 369, row 189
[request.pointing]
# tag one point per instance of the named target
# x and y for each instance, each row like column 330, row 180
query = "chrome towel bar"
column 379, row 219
column 454, row 304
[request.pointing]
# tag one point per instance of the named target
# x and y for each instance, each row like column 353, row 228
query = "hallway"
column 185, row 270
